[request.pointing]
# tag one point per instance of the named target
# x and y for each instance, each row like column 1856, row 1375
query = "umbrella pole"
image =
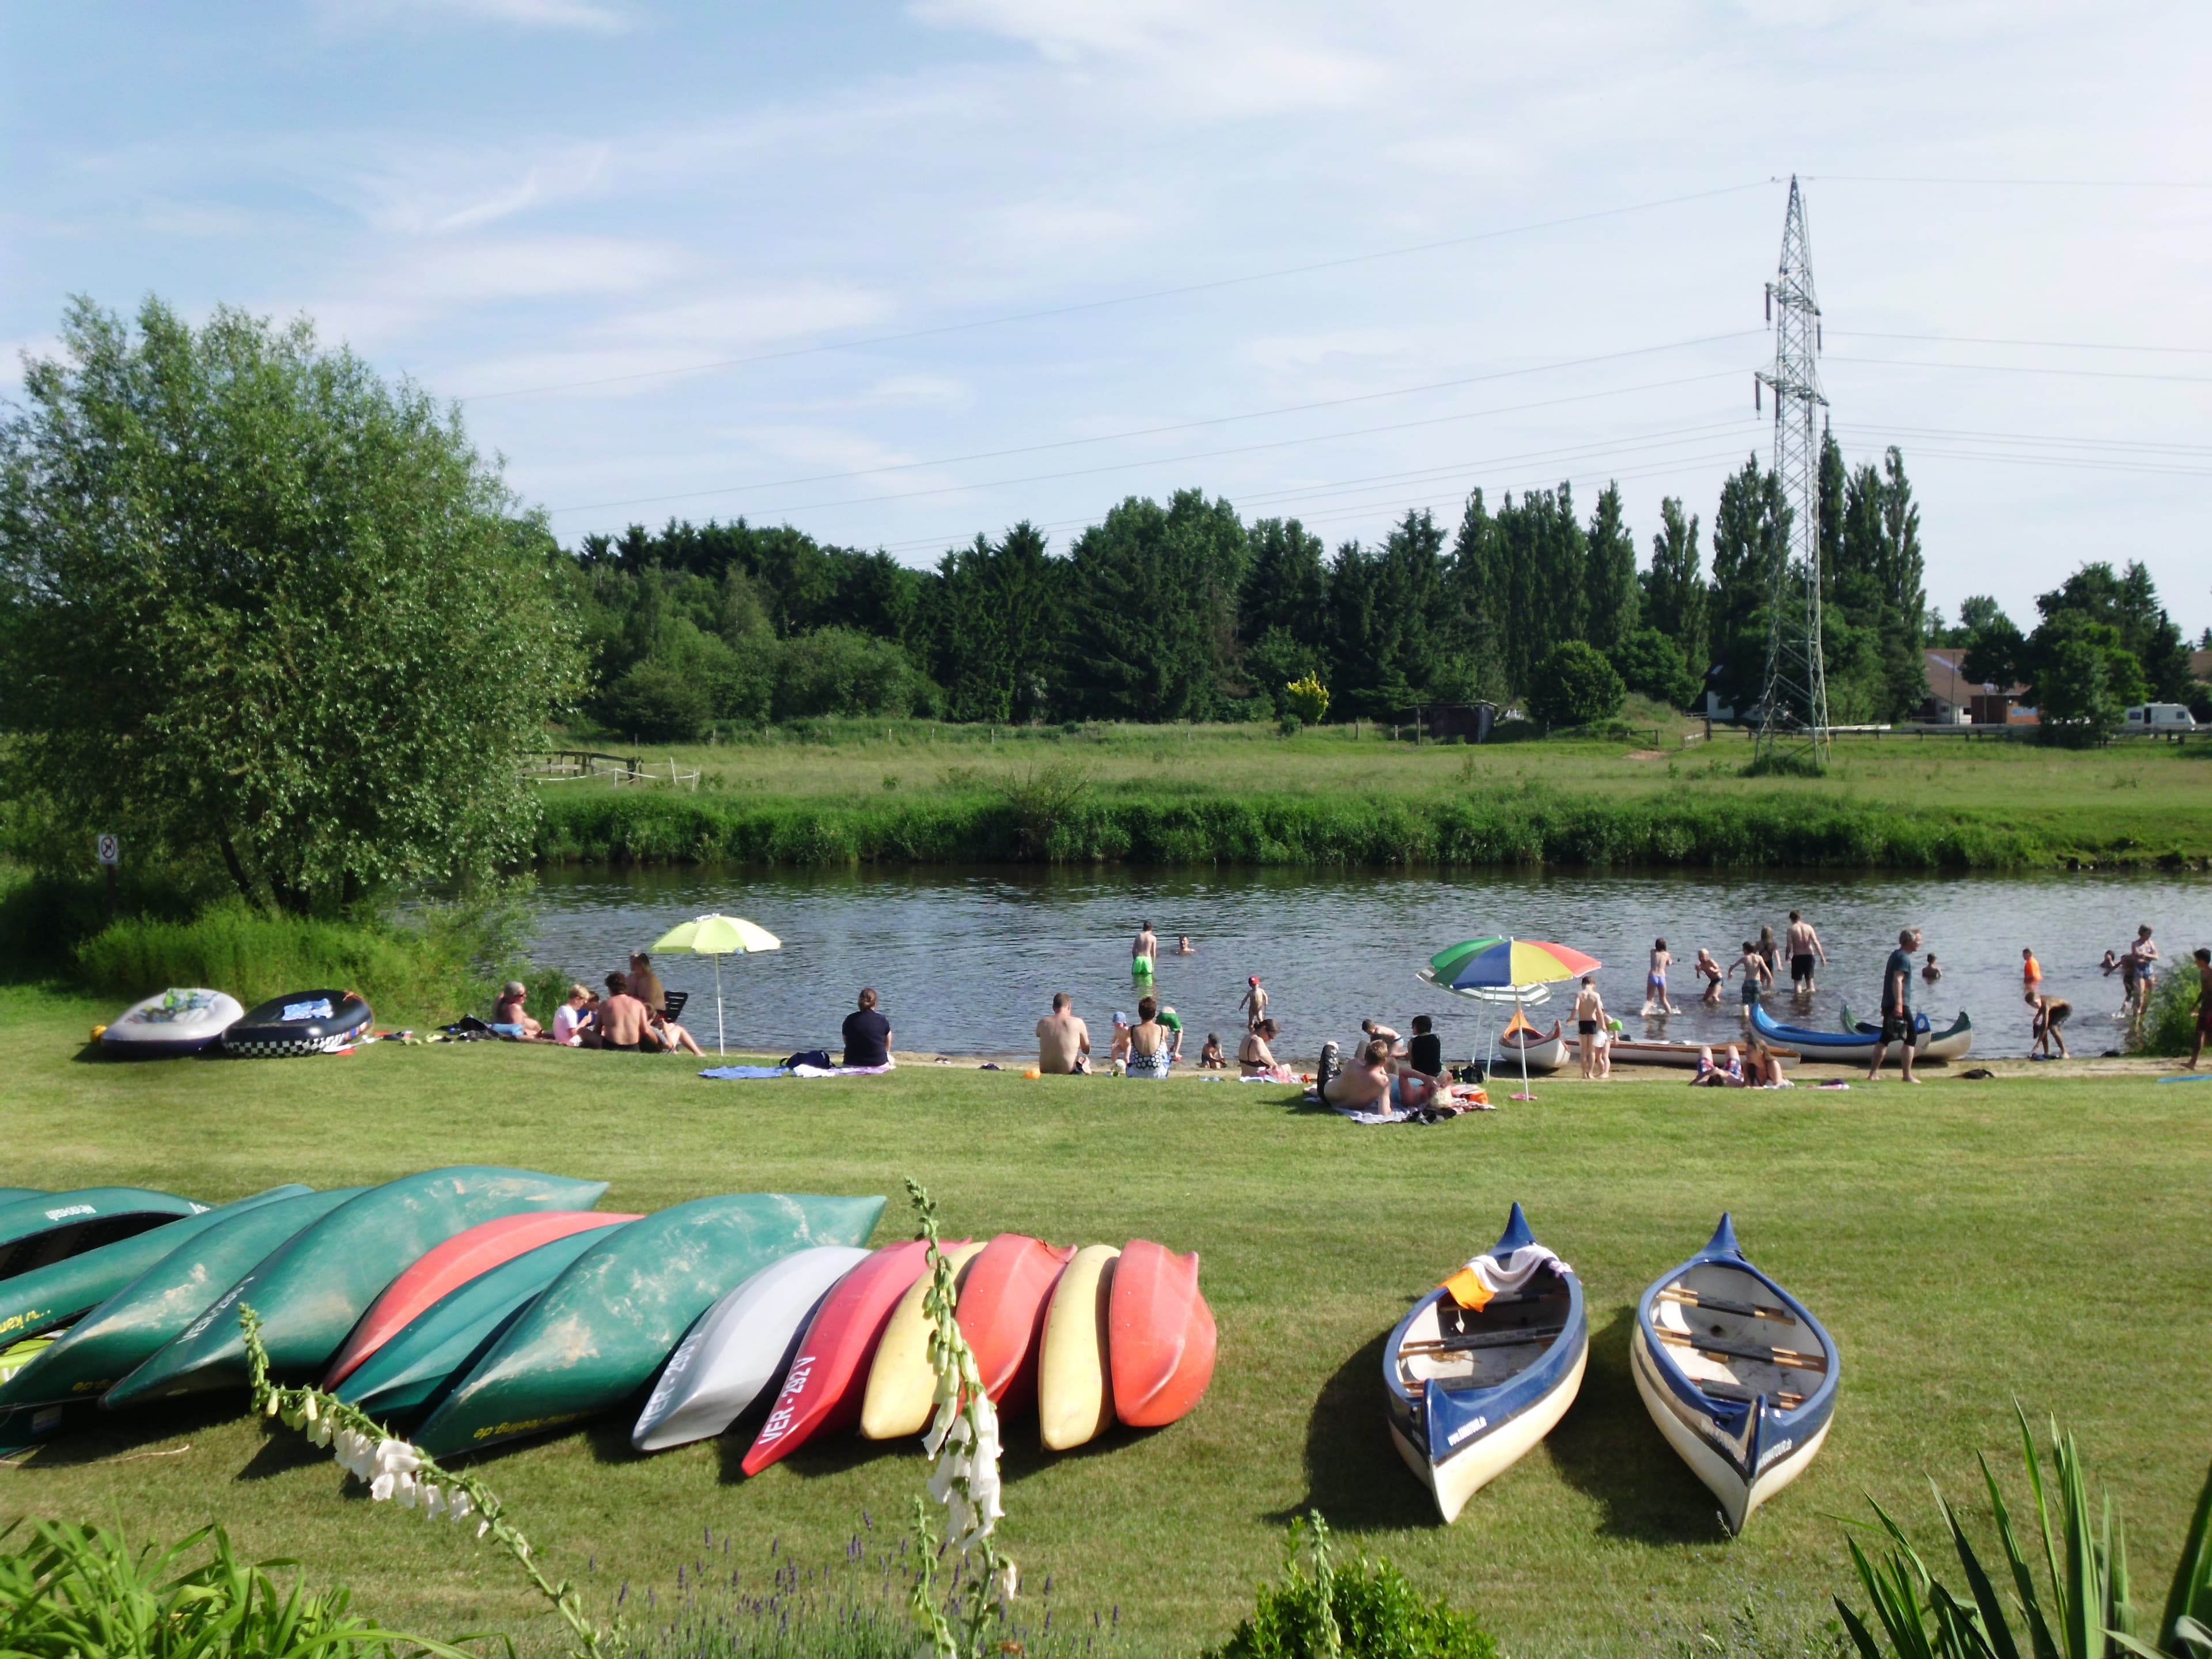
column 1526, row 1028
column 718, row 1048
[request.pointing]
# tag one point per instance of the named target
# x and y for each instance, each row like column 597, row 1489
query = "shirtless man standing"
column 1143, row 951
column 622, row 1017
column 1803, row 945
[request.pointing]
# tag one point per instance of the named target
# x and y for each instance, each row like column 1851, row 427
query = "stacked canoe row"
column 480, row 1304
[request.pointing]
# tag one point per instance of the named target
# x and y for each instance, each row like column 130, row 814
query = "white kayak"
column 739, row 1349
column 1545, row 1052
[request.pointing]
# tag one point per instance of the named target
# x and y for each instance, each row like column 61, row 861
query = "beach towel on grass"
column 755, row 1074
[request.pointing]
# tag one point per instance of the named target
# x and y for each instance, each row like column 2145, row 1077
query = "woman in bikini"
column 1655, row 981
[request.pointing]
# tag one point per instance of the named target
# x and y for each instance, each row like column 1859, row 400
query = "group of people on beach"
column 633, row 1016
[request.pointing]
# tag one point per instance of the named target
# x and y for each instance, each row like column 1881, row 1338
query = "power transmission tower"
column 1793, row 717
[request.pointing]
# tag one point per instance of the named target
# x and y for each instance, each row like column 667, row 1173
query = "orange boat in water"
column 467, row 1255
column 822, row 1392
column 1001, row 1313
column 1160, row 1335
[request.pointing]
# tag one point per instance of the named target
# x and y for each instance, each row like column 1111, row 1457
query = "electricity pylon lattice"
column 1793, row 715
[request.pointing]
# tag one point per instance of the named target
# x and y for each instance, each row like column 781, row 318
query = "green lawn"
column 2153, row 794
column 1966, row 1242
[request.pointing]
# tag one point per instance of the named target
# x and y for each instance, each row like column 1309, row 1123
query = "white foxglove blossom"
column 1010, row 1579
column 381, row 1487
column 320, row 1432
column 406, row 1488
column 434, row 1500
column 483, row 1526
column 309, row 1410
column 397, row 1458
column 458, row 1503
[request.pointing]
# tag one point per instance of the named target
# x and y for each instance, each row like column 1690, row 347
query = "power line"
column 2055, row 184
column 1178, row 426
column 1120, row 299
column 2055, row 345
column 2026, row 369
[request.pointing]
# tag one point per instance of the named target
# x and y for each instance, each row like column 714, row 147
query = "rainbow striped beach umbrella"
column 1499, row 963
column 1500, row 967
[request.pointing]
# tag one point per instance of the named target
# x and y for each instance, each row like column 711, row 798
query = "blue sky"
column 1306, row 256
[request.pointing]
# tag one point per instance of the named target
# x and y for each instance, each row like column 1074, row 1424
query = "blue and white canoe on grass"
column 1470, row 1389
column 1736, row 1372
column 1857, row 1046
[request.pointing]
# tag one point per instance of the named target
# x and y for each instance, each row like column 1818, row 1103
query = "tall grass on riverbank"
column 1526, row 827
column 428, row 971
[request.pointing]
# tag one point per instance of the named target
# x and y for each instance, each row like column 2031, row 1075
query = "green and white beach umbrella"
column 718, row 936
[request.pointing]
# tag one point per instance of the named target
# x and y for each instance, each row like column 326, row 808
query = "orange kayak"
column 1003, row 1299
column 1160, row 1337
column 467, row 1255
column 823, row 1390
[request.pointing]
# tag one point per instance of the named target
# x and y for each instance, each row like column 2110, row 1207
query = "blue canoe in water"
column 1470, row 1389
column 1736, row 1372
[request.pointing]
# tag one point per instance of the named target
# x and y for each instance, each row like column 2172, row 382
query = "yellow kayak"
column 901, row 1385
column 1075, row 1389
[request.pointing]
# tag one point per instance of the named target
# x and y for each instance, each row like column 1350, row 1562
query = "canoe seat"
column 1788, row 1358
column 1484, row 1339
column 1783, row 1397
column 1688, row 1299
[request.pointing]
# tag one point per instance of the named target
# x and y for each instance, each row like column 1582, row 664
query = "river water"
column 967, row 961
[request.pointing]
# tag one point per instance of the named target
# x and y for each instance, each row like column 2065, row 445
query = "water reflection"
column 966, row 961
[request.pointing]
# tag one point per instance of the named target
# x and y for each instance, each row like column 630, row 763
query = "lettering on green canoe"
column 101, row 1386
column 17, row 1321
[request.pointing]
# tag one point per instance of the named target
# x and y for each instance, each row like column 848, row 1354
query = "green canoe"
column 312, row 1289
column 10, row 1195
column 441, row 1344
column 122, row 1332
column 54, row 1294
column 603, row 1328
column 53, row 1226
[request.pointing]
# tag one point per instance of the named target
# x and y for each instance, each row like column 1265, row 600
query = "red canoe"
column 1159, row 1335
column 464, row 1256
column 823, row 1391
column 1001, row 1313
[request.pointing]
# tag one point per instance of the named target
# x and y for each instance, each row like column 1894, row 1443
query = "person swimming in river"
column 1183, row 946
column 1144, row 951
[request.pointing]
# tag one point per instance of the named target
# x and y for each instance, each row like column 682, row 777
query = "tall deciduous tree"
column 1674, row 587
column 260, row 606
column 1611, row 583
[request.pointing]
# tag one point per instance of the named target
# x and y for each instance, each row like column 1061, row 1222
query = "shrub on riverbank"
column 417, row 973
column 1523, row 828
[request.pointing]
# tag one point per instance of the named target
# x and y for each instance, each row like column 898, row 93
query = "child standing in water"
column 1710, row 971
column 1655, row 981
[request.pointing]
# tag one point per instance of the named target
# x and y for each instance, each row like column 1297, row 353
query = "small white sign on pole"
column 110, row 848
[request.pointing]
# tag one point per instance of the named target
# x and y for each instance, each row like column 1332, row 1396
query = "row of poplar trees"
column 1183, row 610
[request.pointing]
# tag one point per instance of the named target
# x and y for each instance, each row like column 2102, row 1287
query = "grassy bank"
column 1967, row 1241
column 831, row 794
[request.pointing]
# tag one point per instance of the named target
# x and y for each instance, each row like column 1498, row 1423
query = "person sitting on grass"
column 1254, row 1057
column 2051, row 1013
column 1762, row 1069
column 622, row 1019
column 1063, row 1040
column 510, row 1017
column 645, row 984
column 575, row 1022
column 1424, row 1051
column 1117, row 1058
column 867, row 1033
column 1365, row 1085
column 673, row 1038
column 1150, row 1054
column 1210, row 1058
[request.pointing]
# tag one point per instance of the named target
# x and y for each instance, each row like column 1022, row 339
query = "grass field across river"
column 1967, row 1241
column 828, row 792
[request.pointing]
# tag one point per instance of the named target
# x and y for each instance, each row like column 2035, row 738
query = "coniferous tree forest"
column 1183, row 610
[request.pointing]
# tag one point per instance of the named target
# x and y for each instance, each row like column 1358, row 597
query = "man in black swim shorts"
column 1897, row 1005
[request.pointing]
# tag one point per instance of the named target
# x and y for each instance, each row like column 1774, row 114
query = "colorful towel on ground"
column 757, row 1073
column 1473, row 1286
